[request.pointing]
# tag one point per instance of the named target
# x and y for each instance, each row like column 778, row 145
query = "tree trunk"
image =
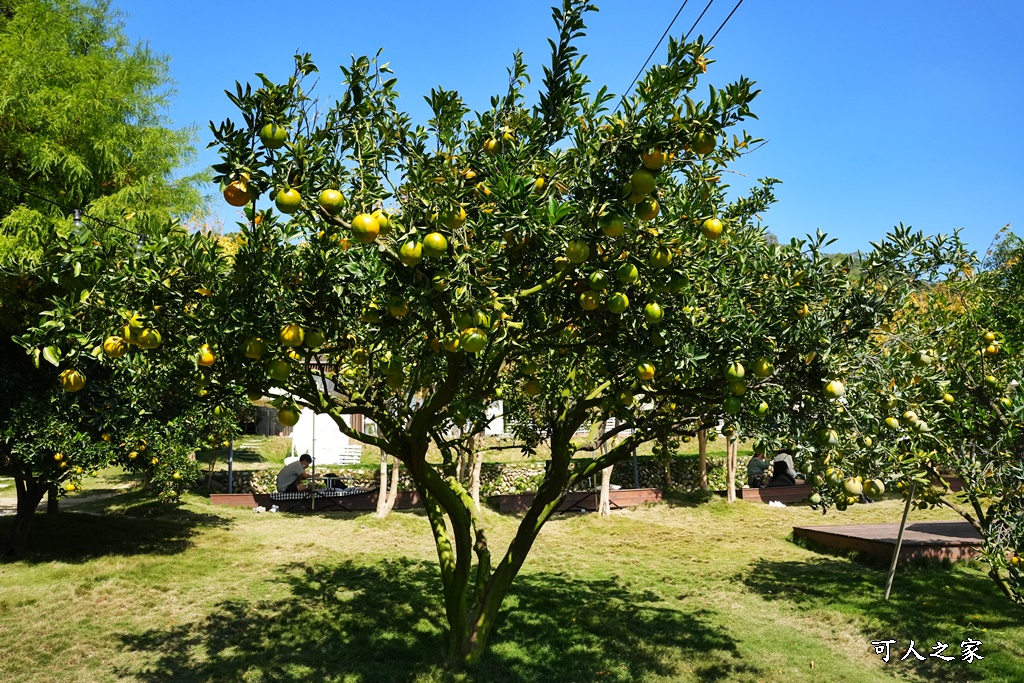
column 702, row 447
column 382, row 492
column 29, row 496
column 730, row 469
column 604, row 506
column 52, row 500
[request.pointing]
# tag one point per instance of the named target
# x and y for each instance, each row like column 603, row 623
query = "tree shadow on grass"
column 689, row 499
column 77, row 537
column 929, row 602
column 385, row 622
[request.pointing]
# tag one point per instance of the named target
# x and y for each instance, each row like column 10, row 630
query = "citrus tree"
column 933, row 399
column 577, row 260
column 76, row 404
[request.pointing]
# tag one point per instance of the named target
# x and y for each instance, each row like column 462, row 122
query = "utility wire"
column 648, row 61
column 726, row 21
column 77, row 212
column 706, row 8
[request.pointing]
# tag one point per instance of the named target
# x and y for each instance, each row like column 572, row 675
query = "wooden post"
column 604, row 506
column 730, row 468
column 702, row 447
column 475, row 463
column 382, row 493
column 393, row 492
column 899, row 541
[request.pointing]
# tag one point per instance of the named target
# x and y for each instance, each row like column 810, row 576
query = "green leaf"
column 52, row 355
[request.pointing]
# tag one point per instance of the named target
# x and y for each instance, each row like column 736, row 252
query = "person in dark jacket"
column 781, row 475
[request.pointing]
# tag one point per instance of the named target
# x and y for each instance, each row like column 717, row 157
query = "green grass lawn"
column 681, row 591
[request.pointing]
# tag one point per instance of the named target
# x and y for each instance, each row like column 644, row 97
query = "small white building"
column 319, row 436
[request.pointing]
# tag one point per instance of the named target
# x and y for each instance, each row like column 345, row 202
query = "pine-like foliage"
column 82, row 123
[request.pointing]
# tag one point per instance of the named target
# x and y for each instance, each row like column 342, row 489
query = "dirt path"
column 9, row 499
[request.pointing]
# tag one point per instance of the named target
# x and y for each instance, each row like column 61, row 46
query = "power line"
column 726, row 21
column 706, row 8
column 77, row 213
column 648, row 61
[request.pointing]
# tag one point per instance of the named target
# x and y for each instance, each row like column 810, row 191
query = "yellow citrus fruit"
column 703, row 143
column 653, row 313
column 532, row 387
column 273, row 136
column 435, row 244
column 313, row 339
column 289, row 417
column 712, row 228
column 254, row 348
column 115, row 347
column 589, row 300
column 453, row 217
column 473, row 340
column 237, row 193
column 617, row 302
column 71, row 380
column 613, row 225
column 627, row 273
column 645, row 371
column 835, row 389
column 398, row 307
column 365, row 228
column 332, row 201
column 643, row 181
column 577, row 251
column 205, row 356
column 647, row 209
column 149, row 339
column 492, row 147
column 660, row 258
column 411, row 253
column 384, row 221
column 291, row 335
column 288, row 200
column 653, row 158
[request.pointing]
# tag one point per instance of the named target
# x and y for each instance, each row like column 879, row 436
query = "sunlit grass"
column 682, row 591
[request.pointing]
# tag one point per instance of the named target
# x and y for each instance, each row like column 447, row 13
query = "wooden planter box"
column 783, row 494
column 359, row 502
column 577, row 501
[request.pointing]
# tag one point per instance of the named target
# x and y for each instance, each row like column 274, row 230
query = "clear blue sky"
column 876, row 111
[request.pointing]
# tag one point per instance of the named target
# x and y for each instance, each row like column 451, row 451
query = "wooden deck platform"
column 948, row 540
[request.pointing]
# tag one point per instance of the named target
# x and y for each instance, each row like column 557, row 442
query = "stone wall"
column 504, row 478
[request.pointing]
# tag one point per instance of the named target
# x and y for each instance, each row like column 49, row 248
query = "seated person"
column 786, row 457
column 781, row 475
column 288, row 478
column 756, row 469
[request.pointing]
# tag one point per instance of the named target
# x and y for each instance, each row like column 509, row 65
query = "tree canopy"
column 83, row 126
